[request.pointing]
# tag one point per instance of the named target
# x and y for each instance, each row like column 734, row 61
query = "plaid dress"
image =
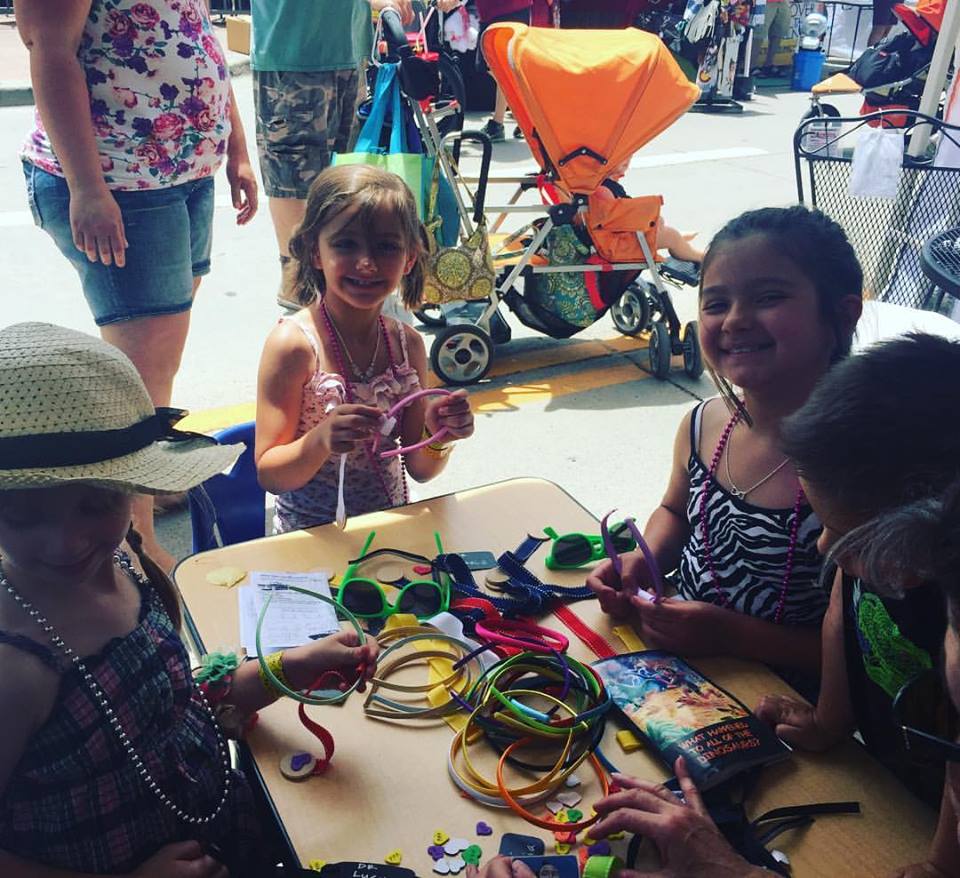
column 75, row 801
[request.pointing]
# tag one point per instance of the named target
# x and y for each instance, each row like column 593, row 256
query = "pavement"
column 584, row 412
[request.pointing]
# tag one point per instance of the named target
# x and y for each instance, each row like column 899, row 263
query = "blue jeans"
column 168, row 235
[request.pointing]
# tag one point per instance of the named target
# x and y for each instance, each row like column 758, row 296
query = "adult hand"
column 795, row 721
column 347, row 425
column 500, row 867
column 182, row 859
column 97, row 226
column 452, row 412
column 688, row 840
column 243, row 188
column 688, row 628
column 616, row 591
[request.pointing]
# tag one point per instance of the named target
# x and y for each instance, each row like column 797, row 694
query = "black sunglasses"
column 926, row 717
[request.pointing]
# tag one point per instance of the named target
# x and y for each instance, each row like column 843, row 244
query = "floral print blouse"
column 159, row 94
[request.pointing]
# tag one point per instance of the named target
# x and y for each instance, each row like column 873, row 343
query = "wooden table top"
column 388, row 786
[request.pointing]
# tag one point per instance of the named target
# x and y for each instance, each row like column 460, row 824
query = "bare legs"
column 287, row 214
column 500, row 108
column 155, row 346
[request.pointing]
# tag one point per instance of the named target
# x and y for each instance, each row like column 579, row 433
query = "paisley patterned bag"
column 462, row 272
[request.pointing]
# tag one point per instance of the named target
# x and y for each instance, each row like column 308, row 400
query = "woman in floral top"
column 135, row 114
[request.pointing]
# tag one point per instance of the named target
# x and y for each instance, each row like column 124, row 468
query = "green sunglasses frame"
column 387, row 608
column 597, row 550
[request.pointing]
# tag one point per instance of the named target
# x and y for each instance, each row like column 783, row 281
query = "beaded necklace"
column 101, row 698
column 708, row 550
column 338, row 352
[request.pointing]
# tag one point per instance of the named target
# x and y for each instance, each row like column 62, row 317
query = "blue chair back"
column 231, row 504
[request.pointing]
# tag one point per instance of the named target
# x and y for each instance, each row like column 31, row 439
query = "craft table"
column 388, row 786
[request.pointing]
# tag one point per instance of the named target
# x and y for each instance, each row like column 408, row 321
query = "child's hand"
column 348, row 424
column 690, row 628
column 615, row 592
column 793, row 720
column 452, row 412
column 182, row 859
column 343, row 652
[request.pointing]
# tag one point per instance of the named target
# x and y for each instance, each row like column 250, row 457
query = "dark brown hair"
column 820, row 250
column 879, row 438
column 167, row 591
column 371, row 190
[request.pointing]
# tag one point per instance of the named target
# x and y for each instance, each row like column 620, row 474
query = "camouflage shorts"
column 302, row 120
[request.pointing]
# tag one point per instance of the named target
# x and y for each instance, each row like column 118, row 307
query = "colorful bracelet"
column 273, row 662
column 437, row 450
column 521, row 635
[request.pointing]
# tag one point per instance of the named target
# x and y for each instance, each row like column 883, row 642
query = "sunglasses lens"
column 622, row 538
column 923, row 705
column 362, row 598
column 422, row 599
column 571, row 549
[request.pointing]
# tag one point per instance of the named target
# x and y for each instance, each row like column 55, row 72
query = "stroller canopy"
column 587, row 99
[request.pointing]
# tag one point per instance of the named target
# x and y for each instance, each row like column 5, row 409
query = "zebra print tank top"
column 749, row 547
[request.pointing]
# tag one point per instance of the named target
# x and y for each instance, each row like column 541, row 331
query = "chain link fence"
column 887, row 234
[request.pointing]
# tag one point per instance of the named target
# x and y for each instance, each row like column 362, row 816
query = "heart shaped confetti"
column 456, row 865
column 394, row 858
column 440, row 837
column 600, row 849
column 569, row 798
column 441, row 867
column 574, row 815
column 455, row 845
column 572, row 781
column 484, row 829
column 298, row 760
column 554, row 805
column 317, row 865
column 435, row 851
column 472, row 855
column 562, row 847
column 225, row 577
column 563, row 817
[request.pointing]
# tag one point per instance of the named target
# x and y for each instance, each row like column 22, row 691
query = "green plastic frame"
column 590, row 541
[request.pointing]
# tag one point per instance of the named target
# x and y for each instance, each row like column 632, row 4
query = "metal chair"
column 229, row 507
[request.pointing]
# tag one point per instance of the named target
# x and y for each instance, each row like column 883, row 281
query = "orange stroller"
column 586, row 100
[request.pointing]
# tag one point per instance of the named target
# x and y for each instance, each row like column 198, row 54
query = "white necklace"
column 101, row 699
column 364, row 375
column 742, row 494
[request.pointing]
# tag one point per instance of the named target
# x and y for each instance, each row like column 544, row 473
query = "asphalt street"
column 584, row 413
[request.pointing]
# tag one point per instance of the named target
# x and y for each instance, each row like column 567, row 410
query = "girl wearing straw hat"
column 112, row 760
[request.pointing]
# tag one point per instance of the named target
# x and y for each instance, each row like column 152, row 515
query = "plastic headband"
column 648, row 555
column 93, row 446
column 281, row 686
column 390, row 421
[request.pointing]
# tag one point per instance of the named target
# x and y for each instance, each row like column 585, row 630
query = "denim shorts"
column 168, row 244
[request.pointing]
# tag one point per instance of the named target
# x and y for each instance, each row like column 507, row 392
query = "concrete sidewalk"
column 15, row 90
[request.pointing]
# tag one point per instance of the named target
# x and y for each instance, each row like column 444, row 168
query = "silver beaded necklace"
column 101, row 699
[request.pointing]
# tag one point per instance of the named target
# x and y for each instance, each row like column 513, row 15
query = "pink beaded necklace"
column 708, row 550
column 348, row 392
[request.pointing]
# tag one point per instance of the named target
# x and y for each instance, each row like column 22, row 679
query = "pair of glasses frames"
column 613, row 554
column 367, row 599
column 923, row 711
column 573, row 550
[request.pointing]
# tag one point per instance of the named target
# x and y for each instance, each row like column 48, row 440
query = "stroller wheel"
column 430, row 315
column 631, row 312
column 658, row 350
column 461, row 354
column 692, row 358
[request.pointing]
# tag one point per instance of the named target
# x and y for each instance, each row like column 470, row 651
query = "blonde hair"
column 370, row 190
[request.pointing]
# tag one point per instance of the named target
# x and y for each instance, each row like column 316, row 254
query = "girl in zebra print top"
column 780, row 296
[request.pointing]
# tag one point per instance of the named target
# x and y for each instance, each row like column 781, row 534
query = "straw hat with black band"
column 73, row 409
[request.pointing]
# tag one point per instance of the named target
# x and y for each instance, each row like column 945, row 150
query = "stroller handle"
column 393, row 33
column 458, row 137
